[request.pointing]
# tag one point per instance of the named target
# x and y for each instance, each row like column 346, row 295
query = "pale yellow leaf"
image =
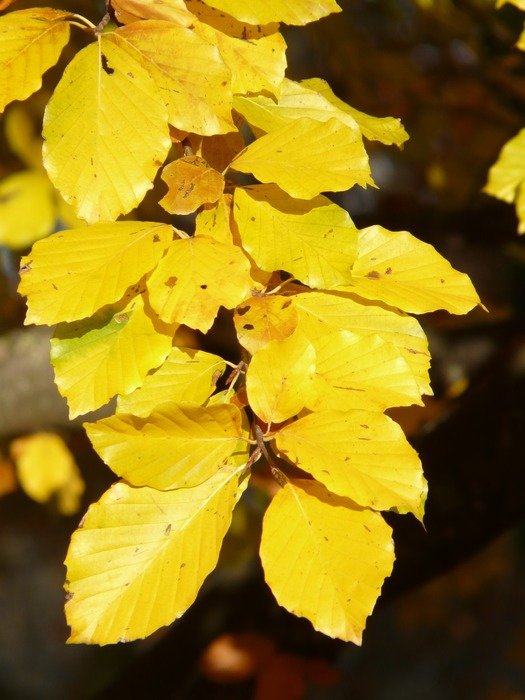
column 27, row 209
column 260, row 320
column 105, row 131
column 387, row 130
column 354, row 371
column 46, row 468
column 108, row 354
column 315, row 240
column 265, row 11
column 362, row 455
column 176, row 446
column 321, row 313
column 187, row 376
column 195, row 278
column 141, row 555
column 506, row 178
column 307, row 157
column 74, row 273
column 398, row 269
column 190, row 75
column 324, row 558
column 213, row 221
column 172, row 10
column 191, row 183
column 31, row 41
column 279, row 380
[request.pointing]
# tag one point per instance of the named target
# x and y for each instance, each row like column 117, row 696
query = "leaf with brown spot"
column 191, row 183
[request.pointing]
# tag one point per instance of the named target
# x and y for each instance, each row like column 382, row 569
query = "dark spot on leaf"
column 26, row 267
column 105, row 65
column 204, row 286
column 182, row 565
column 130, row 74
column 326, row 538
column 168, row 529
column 442, row 281
column 243, row 310
column 364, row 425
column 156, row 238
column 252, row 218
column 171, row 282
column 69, row 595
column 248, row 327
column 54, row 285
column 367, row 528
column 373, row 275
column 388, row 271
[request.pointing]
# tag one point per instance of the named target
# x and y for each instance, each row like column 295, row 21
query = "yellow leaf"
column 362, row 455
column 213, row 221
column 324, row 558
column 321, row 313
column 308, row 157
column 360, row 372
column 22, row 136
column 141, row 555
column 27, row 210
column 279, row 380
column 187, row 376
column 46, row 469
column 400, row 270
column 108, row 354
column 172, row 10
column 263, row 319
column 190, row 74
column 387, row 130
column 105, row 101
column 195, row 278
column 176, row 446
column 315, row 241
column 265, row 11
column 506, row 179
column 31, row 41
column 191, row 183
column 295, row 101
column 74, row 273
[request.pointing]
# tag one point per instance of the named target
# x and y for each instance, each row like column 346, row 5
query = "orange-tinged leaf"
column 219, row 150
column 195, row 278
column 387, row 130
column 141, row 555
column 307, row 157
column 356, row 371
column 279, row 380
column 362, row 455
column 76, row 272
column 27, row 209
column 400, row 270
column 320, row 313
column 263, row 319
column 325, row 558
column 31, row 41
column 46, row 468
column 190, row 74
column 172, row 10
column 8, row 480
column 176, row 446
column 105, row 131
column 108, row 354
column 313, row 240
column 187, row 376
column 265, row 11
column 191, row 183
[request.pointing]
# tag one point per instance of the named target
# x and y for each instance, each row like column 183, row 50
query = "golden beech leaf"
column 398, row 269
column 295, row 101
column 191, row 77
column 263, row 319
column 219, row 150
column 172, row 10
column 307, row 157
column 187, row 376
column 31, row 41
column 387, row 130
column 355, row 371
column 362, row 455
column 107, row 354
column 105, row 131
column 140, row 556
column 195, row 278
column 176, row 446
column 325, row 558
column 314, row 240
column 213, row 221
column 27, row 209
column 46, row 468
column 74, row 273
column 506, row 179
column 265, row 11
column 320, row 313
column 279, row 380
column 191, row 183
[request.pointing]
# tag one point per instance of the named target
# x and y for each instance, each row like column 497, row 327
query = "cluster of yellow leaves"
column 506, row 179
column 320, row 310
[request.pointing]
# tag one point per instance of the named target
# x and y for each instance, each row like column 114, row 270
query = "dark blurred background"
column 451, row 622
